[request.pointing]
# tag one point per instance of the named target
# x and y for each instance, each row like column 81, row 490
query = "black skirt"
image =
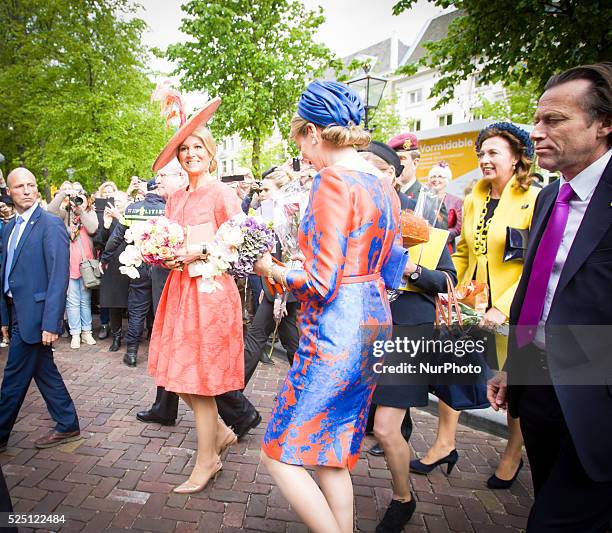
column 401, row 396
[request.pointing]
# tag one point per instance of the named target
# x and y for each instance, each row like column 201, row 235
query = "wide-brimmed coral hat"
column 201, row 117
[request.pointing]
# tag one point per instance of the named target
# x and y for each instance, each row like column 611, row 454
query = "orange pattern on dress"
column 196, row 344
column 347, row 232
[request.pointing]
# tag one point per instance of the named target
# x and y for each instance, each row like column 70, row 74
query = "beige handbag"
column 90, row 269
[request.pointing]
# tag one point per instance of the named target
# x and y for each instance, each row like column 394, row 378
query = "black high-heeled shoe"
column 496, row 483
column 397, row 516
column 421, row 468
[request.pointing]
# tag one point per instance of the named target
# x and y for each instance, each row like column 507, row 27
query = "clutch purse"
column 197, row 236
column 516, row 244
column 393, row 269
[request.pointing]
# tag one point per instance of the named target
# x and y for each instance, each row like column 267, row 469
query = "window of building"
column 445, row 120
column 414, row 97
column 414, row 124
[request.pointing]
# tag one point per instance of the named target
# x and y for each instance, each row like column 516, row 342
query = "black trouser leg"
column 6, row 505
column 371, row 416
column 166, row 404
column 159, row 277
column 139, row 303
column 234, row 406
column 288, row 332
column 257, row 336
column 566, row 499
column 116, row 320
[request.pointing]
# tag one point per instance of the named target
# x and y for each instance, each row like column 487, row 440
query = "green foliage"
column 517, row 40
column 518, row 106
column 75, row 92
column 385, row 121
column 257, row 55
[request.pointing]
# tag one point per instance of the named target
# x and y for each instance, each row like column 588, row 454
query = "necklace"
column 482, row 229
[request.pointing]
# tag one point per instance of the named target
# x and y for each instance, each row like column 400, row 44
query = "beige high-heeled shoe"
column 189, row 487
column 229, row 439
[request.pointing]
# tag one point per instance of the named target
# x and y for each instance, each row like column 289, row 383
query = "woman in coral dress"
column 196, row 345
column 346, row 234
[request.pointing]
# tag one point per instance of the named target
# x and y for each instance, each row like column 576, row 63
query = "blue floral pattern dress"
column 346, row 235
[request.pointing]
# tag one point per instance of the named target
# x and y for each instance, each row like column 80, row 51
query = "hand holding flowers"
column 155, row 242
column 237, row 245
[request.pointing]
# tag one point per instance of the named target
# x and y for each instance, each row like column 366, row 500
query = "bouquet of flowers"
column 288, row 215
column 238, row 243
column 154, row 241
column 474, row 294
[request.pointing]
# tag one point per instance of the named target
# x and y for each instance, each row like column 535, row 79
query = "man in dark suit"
column 34, row 278
column 559, row 365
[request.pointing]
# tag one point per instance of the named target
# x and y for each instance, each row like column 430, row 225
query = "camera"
column 76, row 200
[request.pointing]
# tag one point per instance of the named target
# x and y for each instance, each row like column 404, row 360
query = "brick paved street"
column 120, row 476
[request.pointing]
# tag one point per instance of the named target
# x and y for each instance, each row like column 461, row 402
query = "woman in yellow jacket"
column 502, row 198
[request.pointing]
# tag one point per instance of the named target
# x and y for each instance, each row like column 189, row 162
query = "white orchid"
column 129, row 236
column 130, row 256
column 130, row 271
column 231, row 235
column 223, row 252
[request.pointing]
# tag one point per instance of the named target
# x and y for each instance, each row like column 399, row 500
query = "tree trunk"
column 255, row 158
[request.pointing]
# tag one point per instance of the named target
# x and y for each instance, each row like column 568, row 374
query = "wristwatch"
column 415, row 275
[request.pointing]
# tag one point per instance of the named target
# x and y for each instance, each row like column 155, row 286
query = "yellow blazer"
column 515, row 209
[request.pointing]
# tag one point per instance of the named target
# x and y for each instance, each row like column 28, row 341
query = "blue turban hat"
column 329, row 103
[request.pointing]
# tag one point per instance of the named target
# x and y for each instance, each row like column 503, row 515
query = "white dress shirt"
column 26, row 215
column 583, row 186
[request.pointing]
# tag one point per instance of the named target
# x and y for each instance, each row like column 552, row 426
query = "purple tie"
column 533, row 304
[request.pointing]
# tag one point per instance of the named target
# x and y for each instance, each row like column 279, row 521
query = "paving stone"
column 120, row 476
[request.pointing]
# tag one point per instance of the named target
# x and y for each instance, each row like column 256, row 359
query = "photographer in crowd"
column 114, row 285
column 107, row 191
column 72, row 206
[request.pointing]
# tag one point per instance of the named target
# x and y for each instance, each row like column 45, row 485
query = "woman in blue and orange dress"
column 347, row 232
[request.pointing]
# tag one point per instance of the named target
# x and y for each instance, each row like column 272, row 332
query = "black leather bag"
column 516, row 244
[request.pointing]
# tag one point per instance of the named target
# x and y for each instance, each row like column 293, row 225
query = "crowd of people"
column 205, row 346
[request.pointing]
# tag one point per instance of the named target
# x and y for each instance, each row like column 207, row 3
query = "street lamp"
column 370, row 89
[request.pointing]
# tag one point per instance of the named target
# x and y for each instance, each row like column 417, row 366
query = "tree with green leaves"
column 516, row 41
column 75, row 92
column 518, row 105
column 274, row 152
column 257, row 55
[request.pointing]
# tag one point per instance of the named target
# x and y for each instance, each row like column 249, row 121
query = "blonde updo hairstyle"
column 204, row 134
column 338, row 136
